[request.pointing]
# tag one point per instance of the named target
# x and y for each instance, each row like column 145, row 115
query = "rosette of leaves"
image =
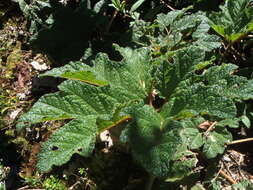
column 175, row 30
column 234, row 21
column 102, row 96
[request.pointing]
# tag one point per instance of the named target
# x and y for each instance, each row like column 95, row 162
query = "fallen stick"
column 229, row 178
column 240, row 141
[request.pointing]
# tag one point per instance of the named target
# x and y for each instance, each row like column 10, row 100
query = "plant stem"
column 240, row 141
column 167, row 5
column 150, row 182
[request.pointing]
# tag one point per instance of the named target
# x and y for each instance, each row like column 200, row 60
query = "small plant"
column 33, row 181
column 4, row 171
column 52, row 183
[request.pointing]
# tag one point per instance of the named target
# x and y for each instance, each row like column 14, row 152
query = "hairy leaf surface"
column 233, row 86
column 172, row 74
column 132, row 73
column 130, row 82
column 77, row 136
column 154, row 140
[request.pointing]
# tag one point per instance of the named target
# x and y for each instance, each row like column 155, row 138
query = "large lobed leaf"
column 131, row 74
column 187, row 95
column 130, row 82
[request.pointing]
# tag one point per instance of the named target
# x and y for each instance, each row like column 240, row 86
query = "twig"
column 27, row 188
column 74, row 185
column 167, row 5
column 229, row 178
column 227, row 168
column 240, row 141
column 210, row 128
column 217, row 174
column 111, row 21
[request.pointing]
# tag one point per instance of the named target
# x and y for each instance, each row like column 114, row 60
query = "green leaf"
column 190, row 133
column 199, row 99
column 175, row 30
column 172, row 74
column 130, row 82
column 216, row 185
column 244, row 184
column 181, row 169
column 232, row 86
column 215, row 142
column 208, row 42
column 77, row 136
column 76, row 100
column 70, row 67
column 133, row 73
column 167, row 20
column 232, row 123
column 184, row 161
column 136, row 5
column 154, row 140
column 198, row 187
column 246, row 121
column 84, row 76
column 234, row 21
column 76, row 71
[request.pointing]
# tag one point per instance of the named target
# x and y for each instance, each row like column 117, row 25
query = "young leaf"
column 153, row 139
column 215, row 142
column 183, row 163
column 190, row 133
column 174, row 31
column 167, row 20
